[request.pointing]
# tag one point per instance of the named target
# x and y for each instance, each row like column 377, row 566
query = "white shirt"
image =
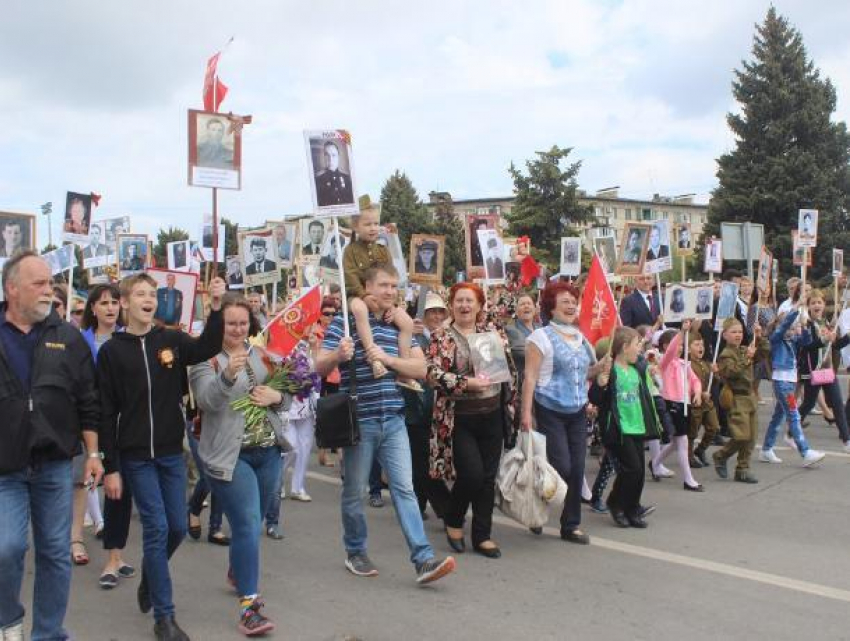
column 786, row 306
column 541, row 341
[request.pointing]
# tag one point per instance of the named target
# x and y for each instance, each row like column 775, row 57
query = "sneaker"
column 252, row 623
column 767, row 456
column 846, row 447
column 598, row 506
column 645, row 510
column 107, row 581
column 376, row 501
column 811, row 457
column 273, row 532
column 360, row 565
column 301, row 496
column 699, row 454
column 790, row 442
column 434, row 569
column 743, row 476
column 13, row 633
column 720, row 466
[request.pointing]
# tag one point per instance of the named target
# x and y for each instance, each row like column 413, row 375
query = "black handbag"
column 336, row 416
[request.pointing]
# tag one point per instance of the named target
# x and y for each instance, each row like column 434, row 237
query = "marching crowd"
column 113, row 398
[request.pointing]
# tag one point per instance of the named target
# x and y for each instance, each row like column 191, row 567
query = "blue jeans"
column 386, row 439
column 202, row 488
column 782, row 411
column 245, row 499
column 159, row 489
column 41, row 493
column 272, row 516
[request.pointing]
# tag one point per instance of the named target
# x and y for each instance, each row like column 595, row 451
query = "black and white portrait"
column 807, row 228
column 214, row 143
column 633, row 252
column 235, row 279
column 674, row 302
column 606, row 248
column 704, row 302
column 837, row 262
column 215, row 151
column 112, row 227
column 328, row 257
column 658, row 248
column 258, row 252
column 570, row 256
column 258, row 256
column 488, row 357
column 132, row 254
column 285, row 240
column 16, row 233
column 179, row 253
column 713, row 256
column 313, row 233
column 727, row 302
column 332, row 181
column 61, row 260
column 426, row 258
column 684, row 240
column 491, row 245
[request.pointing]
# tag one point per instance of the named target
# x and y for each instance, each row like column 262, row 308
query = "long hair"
column 233, row 299
column 622, row 337
column 97, row 292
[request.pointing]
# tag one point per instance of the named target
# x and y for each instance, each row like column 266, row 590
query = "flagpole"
column 70, row 289
column 346, row 328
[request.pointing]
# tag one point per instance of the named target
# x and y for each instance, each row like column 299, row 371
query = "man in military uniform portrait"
column 211, row 149
column 333, row 187
column 169, row 300
column 426, row 258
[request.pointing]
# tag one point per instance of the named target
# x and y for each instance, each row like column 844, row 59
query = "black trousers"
column 477, row 447
column 628, row 486
column 116, row 518
column 426, row 488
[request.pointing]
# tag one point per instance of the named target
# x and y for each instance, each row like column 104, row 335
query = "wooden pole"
column 346, row 328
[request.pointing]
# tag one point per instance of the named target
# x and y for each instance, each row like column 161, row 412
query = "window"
column 646, row 214
column 628, row 215
column 614, row 213
column 597, row 211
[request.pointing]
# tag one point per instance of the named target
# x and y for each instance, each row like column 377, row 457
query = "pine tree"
column 447, row 224
column 789, row 154
column 400, row 204
column 546, row 206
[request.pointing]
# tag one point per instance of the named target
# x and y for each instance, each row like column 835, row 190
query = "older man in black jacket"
column 48, row 401
column 642, row 306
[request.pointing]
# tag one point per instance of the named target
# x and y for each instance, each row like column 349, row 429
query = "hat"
column 428, row 244
column 365, row 203
column 492, row 243
column 434, row 301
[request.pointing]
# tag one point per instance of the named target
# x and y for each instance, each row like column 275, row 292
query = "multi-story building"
column 610, row 211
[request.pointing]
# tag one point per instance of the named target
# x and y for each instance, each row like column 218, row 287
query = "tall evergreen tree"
column 789, row 153
column 546, row 206
column 400, row 204
column 446, row 223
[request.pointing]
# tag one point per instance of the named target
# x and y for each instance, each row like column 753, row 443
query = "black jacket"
column 46, row 424
column 142, row 396
column 634, row 312
column 605, row 399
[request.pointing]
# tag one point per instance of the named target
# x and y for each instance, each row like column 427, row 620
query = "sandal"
column 79, row 558
column 194, row 530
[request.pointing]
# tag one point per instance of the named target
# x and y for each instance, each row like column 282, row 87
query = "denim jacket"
column 784, row 349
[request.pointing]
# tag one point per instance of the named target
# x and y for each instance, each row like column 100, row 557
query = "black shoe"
column 576, row 536
column 619, row 517
column 193, row 530
column 645, row 510
column 536, row 530
column 167, row 630
column 720, row 467
column 693, row 488
column 636, row 521
column 699, row 454
column 458, row 545
column 655, row 477
column 217, row 538
column 695, row 463
column 143, row 596
column 745, row 477
column 490, row 553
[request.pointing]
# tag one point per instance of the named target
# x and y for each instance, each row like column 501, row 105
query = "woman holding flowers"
column 241, row 395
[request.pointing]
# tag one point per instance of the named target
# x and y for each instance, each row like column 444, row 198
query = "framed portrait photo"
column 570, row 256
column 234, row 274
column 112, row 227
column 133, row 255
column 256, row 248
column 800, row 253
column 77, row 219
column 427, row 253
column 837, row 262
column 726, row 303
column 175, row 298
column 309, row 272
column 713, row 263
column 329, row 258
column 313, row 232
column 215, row 150
column 17, row 233
column 676, row 307
column 764, row 269
column 494, row 266
column 633, row 249
column 474, row 252
column 606, row 248
column 703, row 301
column 807, row 228
column 388, row 236
column 488, row 357
column 61, row 259
column 683, row 240
column 285, row 240
column 179, row 255
column 658, row 256
column 331, row 168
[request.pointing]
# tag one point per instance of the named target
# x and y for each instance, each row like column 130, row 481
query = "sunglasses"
column 328, row 314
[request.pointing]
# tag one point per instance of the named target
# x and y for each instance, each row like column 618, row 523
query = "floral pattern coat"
column 442, row 376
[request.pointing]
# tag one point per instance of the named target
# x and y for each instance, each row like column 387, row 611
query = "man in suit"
column 132, row 261
column 261, row 264
column 169, row 301
column 333, row 187
column 495, row 267
column 316, row 233
column 212, row 152
column 94, row 249
column 634, row 246
column 284, row 246
column 656, row 250
column 704, row 300
column 642, row 306
column 179, row 256
column 12, row 239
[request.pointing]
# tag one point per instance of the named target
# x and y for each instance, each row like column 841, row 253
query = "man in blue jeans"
column 141, row 373
column 383, row 434
column 49, row 396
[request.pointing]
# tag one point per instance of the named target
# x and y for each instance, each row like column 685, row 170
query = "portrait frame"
column 328, row 257
column 81, row 235
column 178, row 251
column 286, row 257
column 713, row 262
column 123, row 242
column 837, row 262
column 493, row 274
column 678, row 241
column 570, row 256
column 206, row 244
column 231, row 262
column 309, row 272
column 305, row 239
column 27, row 224
column 679, row 303
column 764, row 269
column 798, row 250
column 112, row 228
column 327, row 183
column 61, row 259
column 664, row 262
column 268, row 275
column 628, row 264
column 487, row 353
column 606, row 248
column 807, row 228
column 474, row 256
column 706, row 312
column 204, row 170
column 187, row 284
column 388, row 237
column 417, row 270
column 726, row 303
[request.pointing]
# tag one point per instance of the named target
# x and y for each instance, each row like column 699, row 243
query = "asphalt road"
column 739, row 561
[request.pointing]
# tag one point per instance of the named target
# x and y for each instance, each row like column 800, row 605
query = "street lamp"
column 46, row 210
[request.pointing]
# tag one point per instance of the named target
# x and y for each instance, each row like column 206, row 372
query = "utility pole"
column 46, row 210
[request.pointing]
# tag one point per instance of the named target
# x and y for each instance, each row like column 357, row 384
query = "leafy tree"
column 400, row 204
column 546, row 206
column 164, row 237
column 447, row 224
column 789, row 154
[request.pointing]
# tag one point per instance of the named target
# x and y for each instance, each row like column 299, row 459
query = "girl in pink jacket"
column 674, row 371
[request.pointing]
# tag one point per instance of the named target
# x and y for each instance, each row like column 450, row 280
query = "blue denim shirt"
column 783, row 350
column 566, row 391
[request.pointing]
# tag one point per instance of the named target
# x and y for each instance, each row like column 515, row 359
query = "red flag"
column 293, row 323
column 598, row 316
column 214, row 89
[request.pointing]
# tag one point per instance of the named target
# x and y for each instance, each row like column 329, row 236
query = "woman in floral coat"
column 473, row 418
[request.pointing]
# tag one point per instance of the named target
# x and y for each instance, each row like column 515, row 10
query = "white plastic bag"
column 526, row 484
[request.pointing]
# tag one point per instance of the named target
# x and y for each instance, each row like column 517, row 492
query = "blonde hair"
column 128, row 284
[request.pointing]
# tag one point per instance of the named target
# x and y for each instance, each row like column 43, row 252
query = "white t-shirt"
column 786, row 306
column 541, row 341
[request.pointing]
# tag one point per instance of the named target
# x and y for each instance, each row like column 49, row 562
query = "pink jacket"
column 671, row 374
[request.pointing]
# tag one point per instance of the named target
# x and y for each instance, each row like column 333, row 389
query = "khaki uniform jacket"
column 357, row 258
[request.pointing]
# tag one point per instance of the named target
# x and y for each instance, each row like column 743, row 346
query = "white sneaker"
column 664, row 472
column 813, row 456
column 14, row 633
column 846, row 447
column 301, row 496
column 767, row 456
column 790, row 442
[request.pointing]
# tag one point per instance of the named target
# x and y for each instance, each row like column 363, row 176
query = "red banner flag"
column 214, row 89
column 293, row 323
column 598, row 316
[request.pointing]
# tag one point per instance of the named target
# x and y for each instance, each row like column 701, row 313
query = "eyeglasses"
column 77, row 312
column 328, row 314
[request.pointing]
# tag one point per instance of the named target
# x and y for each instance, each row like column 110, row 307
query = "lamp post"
column 46, row 210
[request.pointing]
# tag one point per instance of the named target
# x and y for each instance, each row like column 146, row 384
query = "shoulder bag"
column 336, row 416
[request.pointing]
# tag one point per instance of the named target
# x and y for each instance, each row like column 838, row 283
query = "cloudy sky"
column 449, row 91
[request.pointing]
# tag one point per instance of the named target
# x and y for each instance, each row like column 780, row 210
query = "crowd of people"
column 115, row 398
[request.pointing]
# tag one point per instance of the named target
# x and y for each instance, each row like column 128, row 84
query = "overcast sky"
column 94, row 94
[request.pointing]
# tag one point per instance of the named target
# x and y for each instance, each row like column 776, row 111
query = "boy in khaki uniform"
column 735, row 368
column 704, row 414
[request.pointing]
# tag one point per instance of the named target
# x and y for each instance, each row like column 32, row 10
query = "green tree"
column 546, row 206
column 789, row 154
column 446, row 223
column 164, row 237
column 400, row 204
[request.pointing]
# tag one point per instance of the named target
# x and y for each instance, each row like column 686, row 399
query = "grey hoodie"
column 222, row 427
